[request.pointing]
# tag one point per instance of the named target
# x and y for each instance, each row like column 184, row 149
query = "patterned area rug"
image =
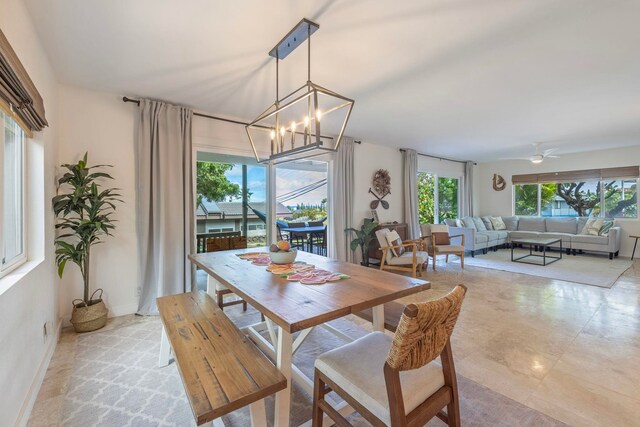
column 587, row 269
column 116, row 382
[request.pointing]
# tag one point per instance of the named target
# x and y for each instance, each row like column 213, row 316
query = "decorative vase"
column 91, row 317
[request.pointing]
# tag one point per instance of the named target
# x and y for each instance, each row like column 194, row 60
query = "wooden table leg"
column 378, row 318
column 283, row 362
column 258, row 414
column 165, row 349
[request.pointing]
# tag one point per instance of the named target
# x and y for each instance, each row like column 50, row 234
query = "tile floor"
column 567, row 350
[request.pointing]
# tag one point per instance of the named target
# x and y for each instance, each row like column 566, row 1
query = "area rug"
column 588, row 269
column 116, row 382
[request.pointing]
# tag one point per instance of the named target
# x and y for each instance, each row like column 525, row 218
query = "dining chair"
column 297, row 240
column 396, row 381
column 401, row 256
column 438, row 242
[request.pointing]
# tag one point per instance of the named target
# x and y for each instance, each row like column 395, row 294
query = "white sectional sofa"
column 480, row 235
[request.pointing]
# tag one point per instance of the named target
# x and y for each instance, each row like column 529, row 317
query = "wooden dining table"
column 290, row 307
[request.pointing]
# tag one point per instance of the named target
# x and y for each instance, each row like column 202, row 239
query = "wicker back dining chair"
column 369, row 373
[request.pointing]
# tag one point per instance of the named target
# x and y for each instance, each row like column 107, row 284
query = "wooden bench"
column 221, row 369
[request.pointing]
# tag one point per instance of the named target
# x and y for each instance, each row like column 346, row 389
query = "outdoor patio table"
column 305, row 230
column 295, row 307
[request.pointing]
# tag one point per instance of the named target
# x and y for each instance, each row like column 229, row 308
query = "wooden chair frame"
column 446, row 396
column 416, row 269
column 431, row 247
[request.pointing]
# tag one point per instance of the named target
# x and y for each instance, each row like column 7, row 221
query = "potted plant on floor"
column 84, row 211
column 363, row 239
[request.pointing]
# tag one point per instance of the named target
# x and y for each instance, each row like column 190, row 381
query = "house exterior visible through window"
column 12, row 202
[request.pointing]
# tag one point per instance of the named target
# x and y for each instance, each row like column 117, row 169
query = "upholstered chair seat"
column 357, row 369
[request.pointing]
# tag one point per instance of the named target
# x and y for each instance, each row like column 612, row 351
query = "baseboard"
column 121, row 310
column 29, row 401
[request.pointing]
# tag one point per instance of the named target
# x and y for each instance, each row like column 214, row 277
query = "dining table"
column 290, row 307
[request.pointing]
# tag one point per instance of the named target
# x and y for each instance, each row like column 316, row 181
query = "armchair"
column 438, row 242
column 412, row 259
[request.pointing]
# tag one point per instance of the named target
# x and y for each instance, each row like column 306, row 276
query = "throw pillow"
column 479, row 224
column 467, row 221
column 606, row 226
column 498, row 223
column 486, row 220
column 459, row 223
column 592, row 227
column 394, row 240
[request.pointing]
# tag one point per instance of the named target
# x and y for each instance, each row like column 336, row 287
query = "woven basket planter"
column 87, row 318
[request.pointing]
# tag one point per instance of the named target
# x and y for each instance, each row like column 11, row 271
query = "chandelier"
column 290, row 128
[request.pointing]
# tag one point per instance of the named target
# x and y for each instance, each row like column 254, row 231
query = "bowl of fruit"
column 281, row 253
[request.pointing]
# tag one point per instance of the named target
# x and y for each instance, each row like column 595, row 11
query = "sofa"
column 481, row 236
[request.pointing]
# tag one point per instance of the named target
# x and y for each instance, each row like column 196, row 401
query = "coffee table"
column 534, row 242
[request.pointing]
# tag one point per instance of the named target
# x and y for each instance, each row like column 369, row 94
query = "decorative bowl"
column 283, row 257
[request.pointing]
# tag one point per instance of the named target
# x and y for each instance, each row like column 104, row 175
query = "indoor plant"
column 84, row 213
column 363, row 239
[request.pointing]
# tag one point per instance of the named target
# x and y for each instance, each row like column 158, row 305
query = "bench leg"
column 258, row 414
column 165, row 349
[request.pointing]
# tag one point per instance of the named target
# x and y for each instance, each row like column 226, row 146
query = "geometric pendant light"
column 291, row 128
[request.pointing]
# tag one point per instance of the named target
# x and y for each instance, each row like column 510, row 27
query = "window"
column 599, row 198
column 12, row 160
column 438, row 198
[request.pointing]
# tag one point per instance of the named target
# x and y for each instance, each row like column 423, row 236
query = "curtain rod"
column 439, row 158
column 207, row 116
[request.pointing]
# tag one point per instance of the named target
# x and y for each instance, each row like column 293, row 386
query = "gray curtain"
column 165, row 205
column 342, row 191
column 410, row 163
column 467, row 209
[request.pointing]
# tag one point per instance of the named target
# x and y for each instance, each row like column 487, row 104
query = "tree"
column 447, row 198
column 426, row 188
column 527, row 197
column 584, row 202
column 211, row 182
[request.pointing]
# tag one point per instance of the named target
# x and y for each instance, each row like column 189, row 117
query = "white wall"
column 28, row 296
column 369, row 158
column 491, row 202
column 102, row 125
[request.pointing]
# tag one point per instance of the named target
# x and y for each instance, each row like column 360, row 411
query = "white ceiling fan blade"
column 549, row 151
column 551, row 157
column 515, row 158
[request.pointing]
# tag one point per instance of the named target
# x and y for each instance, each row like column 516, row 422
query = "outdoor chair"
column 401, row 256
column 396, row 381
column 319, row 240
column 437, row 241
column 297, row 240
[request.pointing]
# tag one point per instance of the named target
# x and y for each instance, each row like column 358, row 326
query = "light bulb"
column 282, row 131
column 293, row 126
column 273, row 134
column 318, row 115
column 306, row 121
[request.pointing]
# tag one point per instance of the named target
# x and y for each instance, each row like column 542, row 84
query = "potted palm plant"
column 363, row 239
column 84, row 216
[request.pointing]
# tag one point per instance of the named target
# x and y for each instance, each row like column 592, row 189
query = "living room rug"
column 116, row 382
column 588, row 269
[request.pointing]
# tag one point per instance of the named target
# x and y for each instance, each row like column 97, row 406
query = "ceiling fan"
column 538, row 155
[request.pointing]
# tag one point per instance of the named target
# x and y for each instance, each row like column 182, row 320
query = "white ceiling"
column 468, row 79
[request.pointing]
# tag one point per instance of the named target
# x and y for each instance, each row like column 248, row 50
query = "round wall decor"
column 382, row 182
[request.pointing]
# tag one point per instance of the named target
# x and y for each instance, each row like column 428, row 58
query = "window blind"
column 17, row 91
column 625, row 172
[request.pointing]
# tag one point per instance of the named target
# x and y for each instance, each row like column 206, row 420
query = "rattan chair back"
column 424, row 330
